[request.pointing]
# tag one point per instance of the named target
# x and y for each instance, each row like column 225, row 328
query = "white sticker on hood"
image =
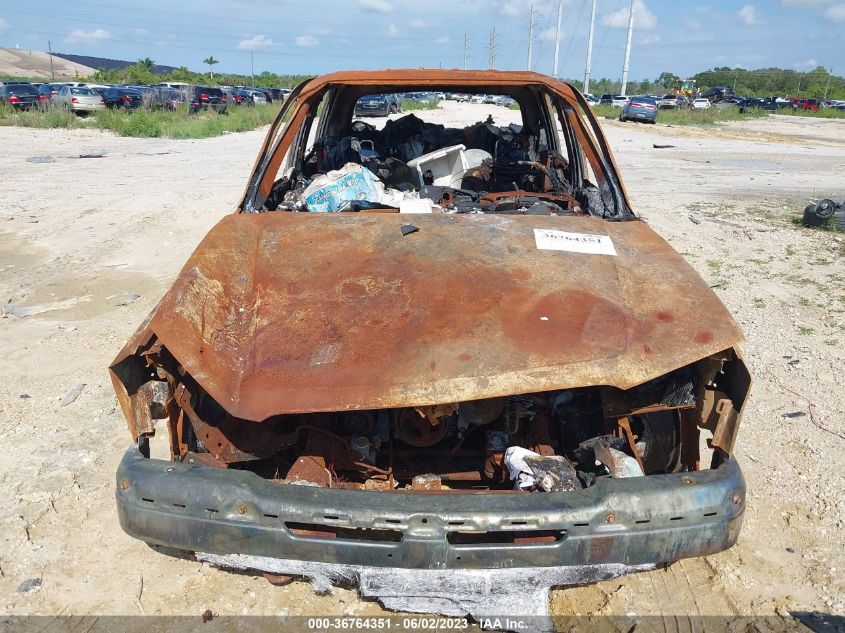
column 548, row 240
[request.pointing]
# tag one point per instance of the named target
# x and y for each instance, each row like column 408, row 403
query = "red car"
column 806, row 104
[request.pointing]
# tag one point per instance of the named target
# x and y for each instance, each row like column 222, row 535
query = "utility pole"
column 50, row 48
column 466, row 45
column 588, row 68
column 557, row 37
column 491, row 55
column 252, row 68
column 531, row 13
column 628, row 49
column 735, row 78
column 829, row 74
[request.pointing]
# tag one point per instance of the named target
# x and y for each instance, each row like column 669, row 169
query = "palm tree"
column 211, row 61
column 146, row 63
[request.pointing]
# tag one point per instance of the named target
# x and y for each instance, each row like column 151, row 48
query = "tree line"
column 763, row 82
column 141, row 73
column 818, row 83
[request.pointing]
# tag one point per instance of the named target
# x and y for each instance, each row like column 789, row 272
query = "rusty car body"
column 358, row 388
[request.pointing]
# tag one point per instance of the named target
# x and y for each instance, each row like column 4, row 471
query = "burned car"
column 419, row 353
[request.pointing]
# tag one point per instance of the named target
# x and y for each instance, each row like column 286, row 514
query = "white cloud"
column 509, row 8
column 392, row 30
column 255, row 42
column 375, row 6
column 548, row 35
column 836, row 13
column 653, row 38
column 78, row 35
column 750, row 15
column 306, row 41
column 802, row 3
column 417, row 24
column 693, row 25
column 3, row 25
column 443, row 40
column 141, row 32
column 643, row 18
column 807, row 63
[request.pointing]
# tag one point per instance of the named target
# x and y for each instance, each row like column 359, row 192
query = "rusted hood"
column 282, row 312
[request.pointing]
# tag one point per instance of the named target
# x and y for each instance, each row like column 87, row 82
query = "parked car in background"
column 718, row 94
column 591, row 99
column 251, row 97
column 128, row 98
column 169, row 98
column 20, row 96
column 208, row 98
column 639, row 109
column 79, row 99
column 476, row 99
column 606, row 99
column 373, row 105
column 98, row 88
column 811, row 105
column 619, row 101
column 672, row 102
column 701, row 103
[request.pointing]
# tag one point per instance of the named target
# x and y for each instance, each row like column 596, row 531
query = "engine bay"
column 546, row 442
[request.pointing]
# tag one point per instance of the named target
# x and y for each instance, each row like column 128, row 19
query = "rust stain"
column 702, row 338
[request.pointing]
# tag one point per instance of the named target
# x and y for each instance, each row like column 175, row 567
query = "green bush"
column 410, row 106
column 708, row 116
column 180, row 124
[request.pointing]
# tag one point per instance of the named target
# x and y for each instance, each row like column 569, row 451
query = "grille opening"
column 331, row 517
column 519, row 522
column 211, row 510
column 581, row 524
column 179, row 505
column 675, row 518
column 643, row 521
column 710, row 514
column 315, row 530
column 394, row 521
column 271, row 516
column 524, row 537
column 147, row 500
column 455, row 523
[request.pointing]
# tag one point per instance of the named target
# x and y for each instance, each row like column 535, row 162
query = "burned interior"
column 541, row 166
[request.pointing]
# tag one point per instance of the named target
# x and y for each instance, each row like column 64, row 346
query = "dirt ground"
column 86, row 235
column 22, row 63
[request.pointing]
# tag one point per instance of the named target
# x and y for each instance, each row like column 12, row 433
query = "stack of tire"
column 826, row 212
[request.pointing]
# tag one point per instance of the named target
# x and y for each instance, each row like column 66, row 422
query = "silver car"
column 79, row 99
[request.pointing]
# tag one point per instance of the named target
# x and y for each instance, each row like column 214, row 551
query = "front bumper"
column 638, row 521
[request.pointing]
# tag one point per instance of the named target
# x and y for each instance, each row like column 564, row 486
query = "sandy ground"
column 95, row 232
column 21, row 63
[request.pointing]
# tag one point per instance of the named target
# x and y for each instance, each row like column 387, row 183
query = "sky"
column 318, row 36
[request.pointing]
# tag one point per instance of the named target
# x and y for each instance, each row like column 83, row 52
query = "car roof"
column 429, row 79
